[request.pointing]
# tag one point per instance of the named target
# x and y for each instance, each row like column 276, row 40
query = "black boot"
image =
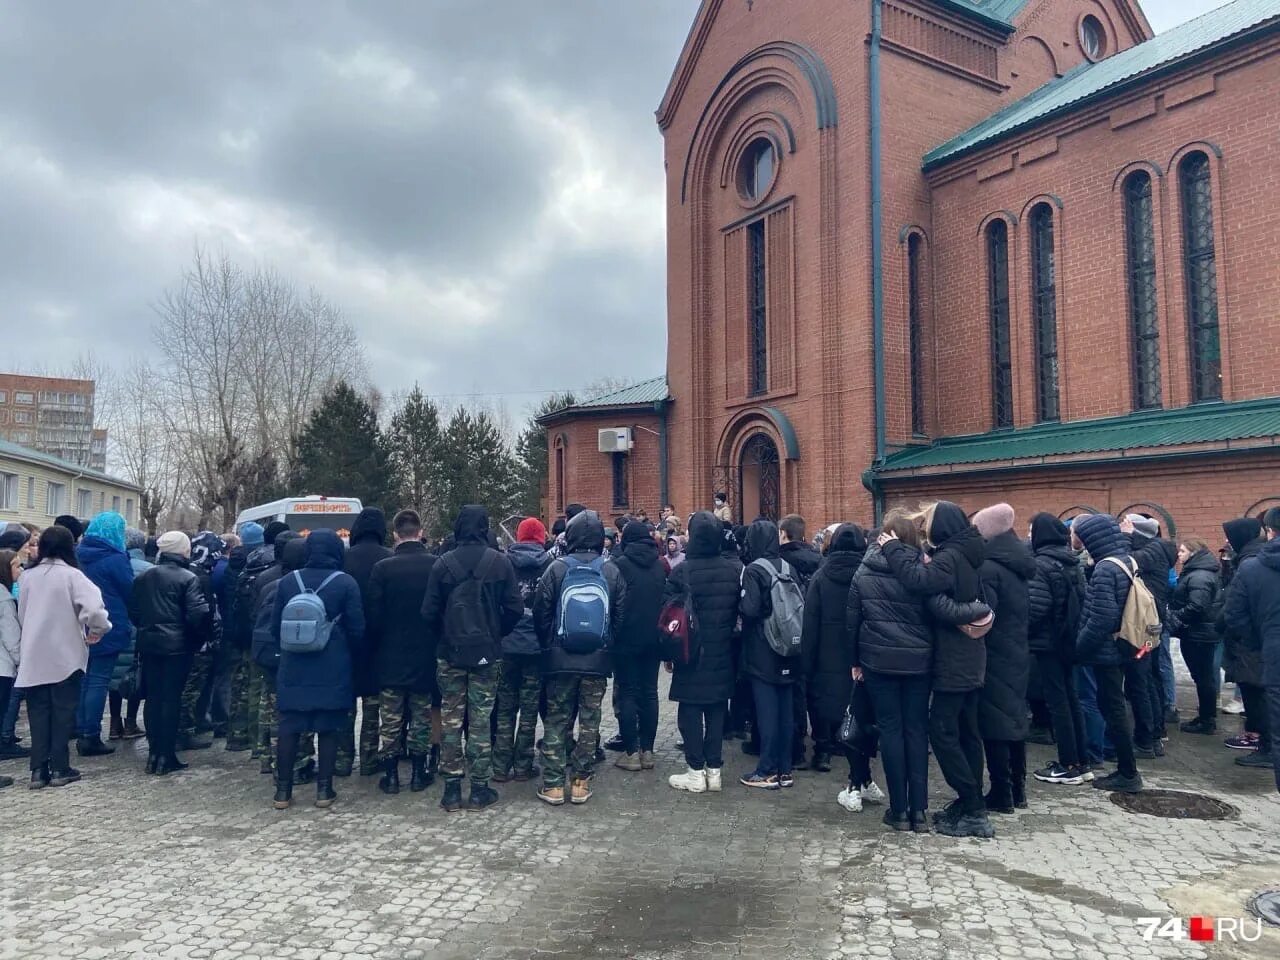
column 324, row 792
column 433, row 765
column 1020, row 793
column 93, row 747
column 40, row 778
column 482, row 796
column 191, row 742
column 614, row 743
column 284, row 793
column 152, row 763
column 390, row 782
column 452, row 799
column 422, row 778
column 1000, row 799
column 168, row 765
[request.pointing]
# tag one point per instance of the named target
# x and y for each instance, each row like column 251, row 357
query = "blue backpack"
column 305, row 625
column 584, row 607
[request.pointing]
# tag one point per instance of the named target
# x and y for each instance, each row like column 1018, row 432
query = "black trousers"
column 1007, row 764
column 957, row 745
column 799, row 718
column 1255, row 713
column 326, row 750
column 51, row 711
column 1111, row 704
column 164, row 676
column 1137, row 687
column 1201, row 661
column 636, row 681
column 902, row 713
column 702, row 727
column 1273, row 717
column 1058, row 682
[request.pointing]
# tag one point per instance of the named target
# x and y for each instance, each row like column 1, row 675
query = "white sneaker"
column 1234, row 707
column 871, row 793
column 694, row 781
column 713, row 780
column 850, row 799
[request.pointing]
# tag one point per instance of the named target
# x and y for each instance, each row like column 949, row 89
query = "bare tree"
column 140, row 444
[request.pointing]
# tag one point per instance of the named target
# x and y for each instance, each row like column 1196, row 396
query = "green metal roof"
column 647, row 391
column 996, row 13
column 1092, row 80
column 1203, row 423
column 8, row 449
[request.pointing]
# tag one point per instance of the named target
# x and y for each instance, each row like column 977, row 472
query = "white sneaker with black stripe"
column 1057, row 773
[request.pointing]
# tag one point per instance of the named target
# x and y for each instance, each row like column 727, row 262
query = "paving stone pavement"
column 198, row 865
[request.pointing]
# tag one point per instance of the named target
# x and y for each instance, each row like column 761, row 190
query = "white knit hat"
column 175, row 543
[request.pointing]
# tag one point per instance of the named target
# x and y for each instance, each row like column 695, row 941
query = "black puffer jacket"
column 1241, row 651
column 805, row 561
column 530, row 562
column 889, row 631
column 641, row 568
column 1108, row 590
column 1058, row 574
column 1197, row 600
column 714, row 581
column 169, row 610
column 292, row 551
column 1155, row 559
column 1002, row 711
column 959, row 661
column 367, row 548
column 404, row 657
column 1253, row 608
column 758, row 659
column 584, row 540
column 828, row 659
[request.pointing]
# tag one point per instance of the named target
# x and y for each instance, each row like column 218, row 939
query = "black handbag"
column 131, row 682
column 857, row 734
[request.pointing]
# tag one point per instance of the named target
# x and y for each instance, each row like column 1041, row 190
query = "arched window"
column 757, row 290
column 1140, row 249
column 998, row 307
column 1044, row 297
column 559, row 476
column 1200, row 265
column 915, row 335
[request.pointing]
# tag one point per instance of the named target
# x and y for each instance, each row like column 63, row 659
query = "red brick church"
column 985, row 250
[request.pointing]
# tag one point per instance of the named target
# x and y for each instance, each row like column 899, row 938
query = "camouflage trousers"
column 519, row 689
column 466, row 697
column 246, row 694
column 269, row 723
column 201, row 667
column 564, row 692
column 405, row 719
column 368, row 738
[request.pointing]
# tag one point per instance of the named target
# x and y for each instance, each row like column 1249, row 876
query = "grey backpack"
column 785, row 622
column 304, row 624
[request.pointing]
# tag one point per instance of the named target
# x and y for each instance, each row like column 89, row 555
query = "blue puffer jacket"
column 109, row 569
column 321, row 681
column 1096, row 644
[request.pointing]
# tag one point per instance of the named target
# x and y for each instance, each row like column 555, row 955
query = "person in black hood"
column 367, row 547
column 1193, row 618
column 959, row 663
column 1253, row 611
column 709, row 580
column 805, row 560
column 773, row 676
column 635, row 646
column 1002, row 708
column 1056, row 595
column 246, row 682
column 740, row 723
column 1242, row 652
column 404, row 663
column 576, row 657
column 472, row 602
column 1156, row 558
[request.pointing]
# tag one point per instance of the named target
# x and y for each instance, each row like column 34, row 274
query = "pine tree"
column 416, row 450
column 531, row 455
column 342, row 452
column 477, row 467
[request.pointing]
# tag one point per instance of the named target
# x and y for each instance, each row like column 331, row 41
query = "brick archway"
column 1168, row 528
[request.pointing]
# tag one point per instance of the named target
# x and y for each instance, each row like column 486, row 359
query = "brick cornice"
column 692, row 50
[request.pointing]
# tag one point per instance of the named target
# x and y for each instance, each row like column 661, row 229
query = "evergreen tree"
column 342, row 452
column 477, row 467
column 417, row 453
column 531, row 456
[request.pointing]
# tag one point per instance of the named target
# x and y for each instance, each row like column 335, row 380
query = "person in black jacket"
column 1002, row 708
column 367, row 547
column 173, row 620
column 1193, row 619
column 1097, row 644
column 574, row 679
column 245, row 696
column 805, row 560
column 710, row 580
column 207, row 550
column 959, row 663
column 1057, row 596
column 773, row 676
column 520, row 683
column 635, row 646
column 1156, row 558
column 1242, row 652
column 472, row 602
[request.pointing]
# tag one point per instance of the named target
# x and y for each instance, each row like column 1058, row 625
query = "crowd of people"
column 936, row 631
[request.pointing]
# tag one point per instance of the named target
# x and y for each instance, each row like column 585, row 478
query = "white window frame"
column 8, row 491
column 115, row 504
column 128, row 510
column 31, row 493
column 53, row 496
column 84, row 496
column 28, row 402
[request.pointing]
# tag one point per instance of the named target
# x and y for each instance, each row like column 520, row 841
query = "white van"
column 304, row 514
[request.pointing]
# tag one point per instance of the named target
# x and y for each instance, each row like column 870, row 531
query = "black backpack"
column 467, row 631
column 1072, row 606
column 243, row 607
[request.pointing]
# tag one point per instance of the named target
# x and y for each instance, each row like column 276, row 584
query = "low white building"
column 35, row 487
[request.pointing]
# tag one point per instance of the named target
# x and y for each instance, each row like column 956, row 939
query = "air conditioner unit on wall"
column 616, row 440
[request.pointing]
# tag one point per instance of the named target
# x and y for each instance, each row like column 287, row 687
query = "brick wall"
column 587, row 476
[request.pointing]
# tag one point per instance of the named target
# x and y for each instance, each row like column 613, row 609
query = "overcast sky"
column 477, row 183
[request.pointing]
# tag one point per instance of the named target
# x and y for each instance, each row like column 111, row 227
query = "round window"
column 1093, row 38
column 758, row 165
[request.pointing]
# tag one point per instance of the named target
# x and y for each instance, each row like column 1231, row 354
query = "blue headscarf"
column 108, row 526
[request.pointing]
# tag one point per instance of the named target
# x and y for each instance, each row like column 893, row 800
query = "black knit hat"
column 636, row 532
column 71, row 523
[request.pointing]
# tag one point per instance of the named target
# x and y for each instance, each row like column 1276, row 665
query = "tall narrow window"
column 1140, row 247
column 998, row 306
column 559, row 478
column 1202, row 276
column 1044, row 297
column 757, row 303
column 915, row 335
column 620, row 497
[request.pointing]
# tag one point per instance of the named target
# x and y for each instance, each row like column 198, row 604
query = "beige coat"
column 58, row 607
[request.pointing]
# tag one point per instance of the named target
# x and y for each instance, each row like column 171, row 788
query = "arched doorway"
column 760, row 479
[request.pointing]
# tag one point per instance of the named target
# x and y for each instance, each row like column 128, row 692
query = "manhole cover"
column 1175, row 805
column 1267, row 906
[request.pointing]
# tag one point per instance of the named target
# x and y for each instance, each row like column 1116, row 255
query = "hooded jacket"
column 827, row 655
column 1058, row 576
column 291, row 549
column 758, row 659
column 1241, row 652
column 501, row 594
column 1002, row 710
column 1253, row 607
column 584, row 541
column 307, row 682
column 238, row 630
column 106, row 564
column 805, row 561
column 368, row 547
column 403, row 655
column 530, row 562
column 641, row 567
column 1096, row 643
column 711, row 579
column 1156, row 558
column 170, row 609
column 1196, row 601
